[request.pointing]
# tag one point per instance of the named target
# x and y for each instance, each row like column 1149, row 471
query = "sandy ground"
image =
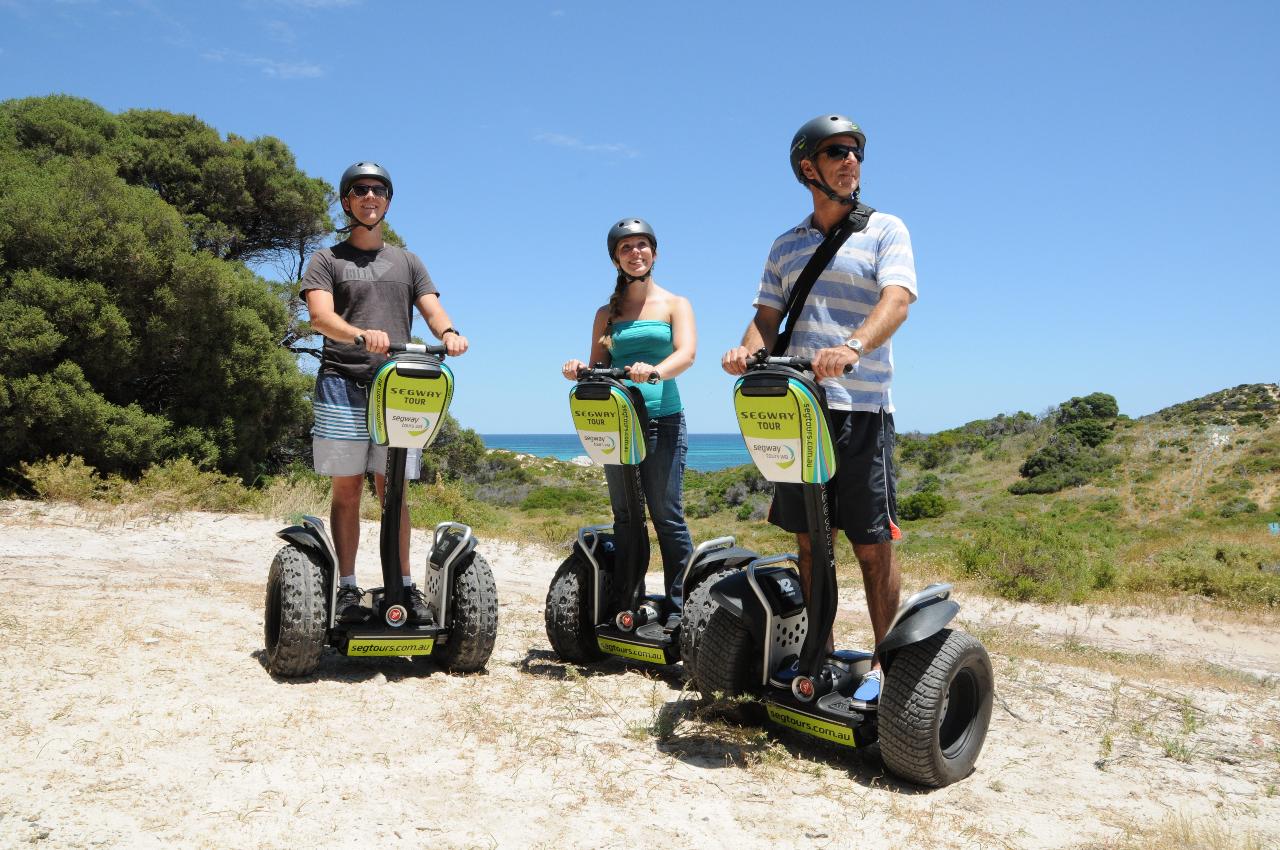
column 138, row 713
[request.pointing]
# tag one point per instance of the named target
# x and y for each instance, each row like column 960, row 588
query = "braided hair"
column 615, row 309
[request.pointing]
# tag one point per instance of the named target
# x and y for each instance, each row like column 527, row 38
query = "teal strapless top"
column 648, row 341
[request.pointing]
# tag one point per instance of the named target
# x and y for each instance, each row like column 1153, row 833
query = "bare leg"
column 380, row 484
column 805, row 553
column 344, row 520
column 882, row 583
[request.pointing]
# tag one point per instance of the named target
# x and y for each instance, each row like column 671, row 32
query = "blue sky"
column 1089, row 186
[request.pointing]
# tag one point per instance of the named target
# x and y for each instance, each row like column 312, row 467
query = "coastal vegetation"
column 1184, row 508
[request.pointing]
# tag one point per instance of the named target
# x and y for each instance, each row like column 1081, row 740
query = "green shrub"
column 1049, row 482
column 1092, row 406
column 1235, row 507
column 1039, row 559
column 928, row 483
column 1237, row 575
column 708, row 493
column 929, row 504
column 441, row 501
column 67, row 478
column 1090, row 432
column 564, row 499
column 179, row 485
column 1110, row 506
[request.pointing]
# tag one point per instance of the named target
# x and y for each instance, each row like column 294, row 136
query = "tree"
column 135, row 332
column 1092, row 406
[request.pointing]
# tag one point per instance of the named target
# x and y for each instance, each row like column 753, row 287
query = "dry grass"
column 1182, row 832
column 1023, row 642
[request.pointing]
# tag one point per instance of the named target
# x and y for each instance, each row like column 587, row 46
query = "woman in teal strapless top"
column 649, row 331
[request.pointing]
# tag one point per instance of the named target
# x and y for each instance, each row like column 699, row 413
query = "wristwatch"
column 854, row 344
column 449, row 330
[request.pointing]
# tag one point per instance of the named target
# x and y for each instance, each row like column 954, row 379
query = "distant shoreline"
column 707, row 452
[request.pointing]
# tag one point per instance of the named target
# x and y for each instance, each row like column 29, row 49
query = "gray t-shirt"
column 371, row 289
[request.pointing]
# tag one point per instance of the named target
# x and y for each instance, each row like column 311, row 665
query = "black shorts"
column 863, row 496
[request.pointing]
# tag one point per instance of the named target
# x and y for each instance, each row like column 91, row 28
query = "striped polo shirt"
column 841, row 299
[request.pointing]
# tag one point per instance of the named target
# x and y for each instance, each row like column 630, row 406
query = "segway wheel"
column 935, row 709
column 296, row 616
column 473, row 621
column 568, row 613
column 698, row 608
column 727, row 659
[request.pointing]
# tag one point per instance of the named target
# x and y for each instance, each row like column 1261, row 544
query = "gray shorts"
column 340, row 443
column 348, row 457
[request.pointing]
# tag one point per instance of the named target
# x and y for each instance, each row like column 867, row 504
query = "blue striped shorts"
column 340, row 443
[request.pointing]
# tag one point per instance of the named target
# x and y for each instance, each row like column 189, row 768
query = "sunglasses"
column 362, row 189
column 839, row 152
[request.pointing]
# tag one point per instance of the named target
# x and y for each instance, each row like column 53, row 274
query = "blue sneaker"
column 868, row 691
column 788, row 671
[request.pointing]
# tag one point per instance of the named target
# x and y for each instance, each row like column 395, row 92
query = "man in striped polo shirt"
column 851, row 313
column 364, row 287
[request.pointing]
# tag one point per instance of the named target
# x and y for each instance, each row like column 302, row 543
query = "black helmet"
column 630, row 227
column 364, row 169
column 807, row 138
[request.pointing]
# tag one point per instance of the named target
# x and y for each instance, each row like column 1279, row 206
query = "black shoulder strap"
column 857, row 221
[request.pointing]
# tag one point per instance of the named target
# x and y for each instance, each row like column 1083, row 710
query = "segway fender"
column 735, row 596
column 718, row 559
column 306, row 538
column 920, row 624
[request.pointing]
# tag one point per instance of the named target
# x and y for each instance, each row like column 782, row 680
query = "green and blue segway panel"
column 784, row 424
column 609, row 423
column 408, row 400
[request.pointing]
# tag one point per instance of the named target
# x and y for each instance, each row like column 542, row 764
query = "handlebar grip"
column 804, row 364
column 415, row 347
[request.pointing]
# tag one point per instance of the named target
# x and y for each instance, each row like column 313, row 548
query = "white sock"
column 408, row 580
column 347, row 581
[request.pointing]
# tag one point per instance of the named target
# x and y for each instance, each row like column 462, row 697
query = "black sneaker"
column 347, row 605
column 417, row 604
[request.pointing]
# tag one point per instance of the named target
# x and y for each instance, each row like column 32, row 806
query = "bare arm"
column 437, row 319
column 761, row 332
column 885, row 318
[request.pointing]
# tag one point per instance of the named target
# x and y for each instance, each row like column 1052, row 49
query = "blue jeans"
column 662, row 480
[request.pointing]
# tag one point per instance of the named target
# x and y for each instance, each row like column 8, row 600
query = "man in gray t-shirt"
column 364, row 287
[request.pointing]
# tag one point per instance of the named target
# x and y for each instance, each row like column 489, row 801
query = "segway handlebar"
column 616, row 374
column 411, row 347
column 805, row 364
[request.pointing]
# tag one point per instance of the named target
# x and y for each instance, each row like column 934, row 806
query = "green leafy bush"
column 928, row 504
column 1092, row 406
column 1090, row 432
column 708, row 493
column 927, row 483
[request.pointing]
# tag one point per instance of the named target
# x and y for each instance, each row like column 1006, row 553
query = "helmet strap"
column 633, row 279
column 354, row 222
column 833, row 195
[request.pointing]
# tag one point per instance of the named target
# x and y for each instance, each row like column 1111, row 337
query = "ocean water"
column 707, row 452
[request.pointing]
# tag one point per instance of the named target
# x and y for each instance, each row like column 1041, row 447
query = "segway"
column 597, row 605
column 408, row 399
column 767, row 640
